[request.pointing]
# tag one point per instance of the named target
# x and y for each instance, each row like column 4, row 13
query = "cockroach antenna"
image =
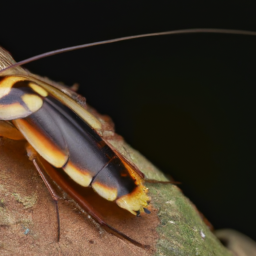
column 56, row 126
column 115, row 40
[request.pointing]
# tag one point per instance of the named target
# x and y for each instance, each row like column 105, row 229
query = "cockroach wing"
column 68, row 136
column 17, row 97
column 29, row 92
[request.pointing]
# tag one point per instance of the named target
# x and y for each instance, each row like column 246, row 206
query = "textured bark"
column 28, row 219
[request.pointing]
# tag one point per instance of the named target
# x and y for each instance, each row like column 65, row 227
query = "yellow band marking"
column 33, row 102
column 106, row 192
column 12, row 111
column 7, row 83
column 79, row 176
column 36, row 88
column 68, row 101
column 135, row 201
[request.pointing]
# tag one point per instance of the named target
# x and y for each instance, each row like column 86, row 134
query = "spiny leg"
column 53, row 174
column 53, row 194
column 74, row 87
column 67, row 186
column 33, row 157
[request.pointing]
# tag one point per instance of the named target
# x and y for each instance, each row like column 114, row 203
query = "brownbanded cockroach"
column 31, row 108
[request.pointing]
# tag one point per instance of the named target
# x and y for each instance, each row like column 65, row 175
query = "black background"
column 187, row 102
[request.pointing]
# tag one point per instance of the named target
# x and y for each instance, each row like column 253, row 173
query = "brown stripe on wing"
column 42, row 132
column 132, row 167
column 88, row 154
column 47, row 148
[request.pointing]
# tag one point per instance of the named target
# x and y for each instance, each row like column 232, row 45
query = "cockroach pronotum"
column 59, row 130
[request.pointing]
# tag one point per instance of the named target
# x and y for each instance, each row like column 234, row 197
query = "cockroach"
column 63, row 135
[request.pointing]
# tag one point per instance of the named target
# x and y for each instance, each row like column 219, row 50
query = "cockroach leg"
column 67, row 186
column 138, row 213
column 32, row 156
column 74, row 87
column 123, row 236
column 96, row 216
column 54, row 196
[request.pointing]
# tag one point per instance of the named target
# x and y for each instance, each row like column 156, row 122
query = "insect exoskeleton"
column 61, row 131
column 67, row 136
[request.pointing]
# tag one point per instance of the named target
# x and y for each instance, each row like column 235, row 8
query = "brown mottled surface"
column 28, row 219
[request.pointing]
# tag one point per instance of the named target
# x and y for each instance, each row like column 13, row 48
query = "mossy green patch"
column 181, row 231
column 27, row 201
